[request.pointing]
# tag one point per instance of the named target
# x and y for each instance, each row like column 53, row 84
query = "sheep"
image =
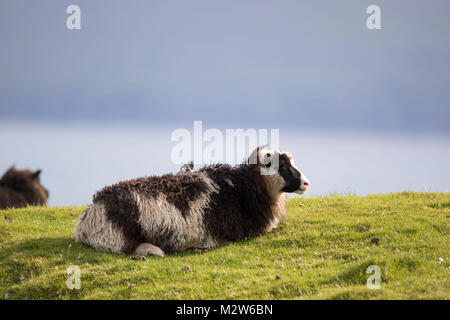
column 201, row 209
column 21, row 188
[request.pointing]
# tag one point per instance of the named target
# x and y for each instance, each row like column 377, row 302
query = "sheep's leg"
column 148, row 249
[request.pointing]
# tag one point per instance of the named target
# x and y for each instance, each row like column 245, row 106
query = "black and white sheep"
column 192, row 209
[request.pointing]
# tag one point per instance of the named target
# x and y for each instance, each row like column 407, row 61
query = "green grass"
column 321, row 251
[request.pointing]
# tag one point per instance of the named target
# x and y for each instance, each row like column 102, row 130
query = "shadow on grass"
column 64, row 249
column 55, row 251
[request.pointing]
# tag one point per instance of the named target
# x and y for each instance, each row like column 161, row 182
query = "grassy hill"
column 321, row 251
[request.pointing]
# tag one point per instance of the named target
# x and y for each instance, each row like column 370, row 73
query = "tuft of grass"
column 321, row 251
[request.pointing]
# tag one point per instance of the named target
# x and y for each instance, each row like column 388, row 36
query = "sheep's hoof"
column 148, row 249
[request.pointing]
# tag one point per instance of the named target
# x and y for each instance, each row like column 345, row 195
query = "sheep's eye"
column 267, row 162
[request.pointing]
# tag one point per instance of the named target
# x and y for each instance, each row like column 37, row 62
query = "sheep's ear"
column 288, row 154
column 254, row 156
column 37, row 173
column 11, row 169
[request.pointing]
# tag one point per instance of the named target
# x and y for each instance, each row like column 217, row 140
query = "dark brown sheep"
column 21, row 188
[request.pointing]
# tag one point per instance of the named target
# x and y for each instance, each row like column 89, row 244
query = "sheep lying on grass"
column 192, row 209
column 20, row 188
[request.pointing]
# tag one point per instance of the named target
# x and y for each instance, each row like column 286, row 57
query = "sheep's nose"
column 305, row 182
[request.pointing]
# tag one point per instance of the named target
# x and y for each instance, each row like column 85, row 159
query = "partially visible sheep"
column 21, row 188
column 193, row 209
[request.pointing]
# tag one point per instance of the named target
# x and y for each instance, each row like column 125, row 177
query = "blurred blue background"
column 362, row 110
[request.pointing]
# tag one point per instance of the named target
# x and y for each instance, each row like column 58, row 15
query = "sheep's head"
column 27, row 183
column 280, row 169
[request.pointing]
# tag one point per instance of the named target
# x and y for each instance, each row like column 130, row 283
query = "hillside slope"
column 321, row 251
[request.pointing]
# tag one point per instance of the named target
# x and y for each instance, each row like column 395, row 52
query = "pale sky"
column 284, row 63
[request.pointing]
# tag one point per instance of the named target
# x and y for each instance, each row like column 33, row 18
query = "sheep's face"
column 294, row 180
column 281, row 169
column 27, row 183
